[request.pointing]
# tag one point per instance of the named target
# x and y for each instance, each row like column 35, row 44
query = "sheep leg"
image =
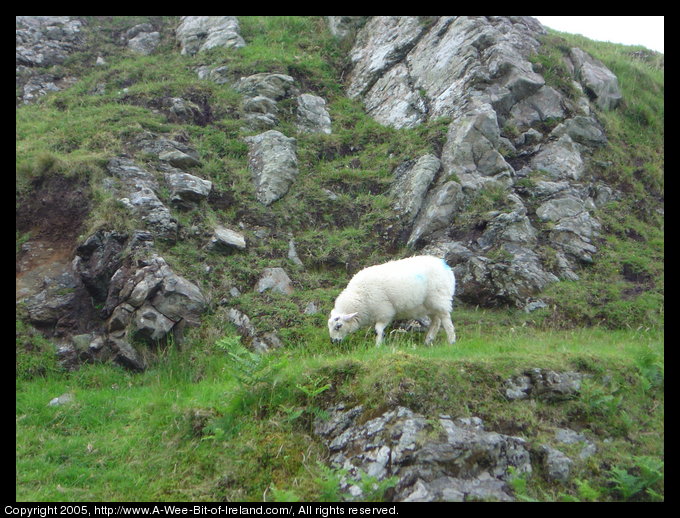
column 379, row 328
column 434, row 329
column 450, row 330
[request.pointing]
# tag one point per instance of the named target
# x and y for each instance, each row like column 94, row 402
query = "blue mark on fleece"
column 421, row 277
column 446, row 266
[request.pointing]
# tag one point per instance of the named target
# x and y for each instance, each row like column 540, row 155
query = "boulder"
column 274, row 86
column 273, row 164
column 187, row 190
column 200, row 33
column 516, row 278
column 599, row 82
column 226, row 240
column 140, row 295
column 556, row 465
column 312, row 116
column 144, row 43
column 275, row 279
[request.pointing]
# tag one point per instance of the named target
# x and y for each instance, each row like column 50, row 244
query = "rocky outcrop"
column 199, row 33
column 41, row 43
column 142, row 299
column 478, row 71
column 261, row 95
column 115, row 292
column 441, row 459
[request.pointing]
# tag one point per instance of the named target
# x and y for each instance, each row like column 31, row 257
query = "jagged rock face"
column 478, row 72
column 41, row 42
column 440, row 459
column 409, row 68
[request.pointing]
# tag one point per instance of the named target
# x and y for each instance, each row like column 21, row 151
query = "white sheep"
column 405, row 289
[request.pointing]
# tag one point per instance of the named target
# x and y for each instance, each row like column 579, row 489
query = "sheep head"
column 340, row 325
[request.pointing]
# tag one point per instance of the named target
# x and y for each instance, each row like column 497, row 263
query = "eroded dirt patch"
column 52, row 214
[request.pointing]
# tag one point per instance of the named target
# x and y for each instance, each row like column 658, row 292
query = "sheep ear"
column 349, row 316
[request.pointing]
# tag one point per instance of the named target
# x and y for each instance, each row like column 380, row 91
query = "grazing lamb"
column 409, row 288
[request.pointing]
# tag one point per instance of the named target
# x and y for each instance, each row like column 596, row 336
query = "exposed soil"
column 52, row 214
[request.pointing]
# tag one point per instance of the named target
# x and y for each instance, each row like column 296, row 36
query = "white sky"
column 629, row 30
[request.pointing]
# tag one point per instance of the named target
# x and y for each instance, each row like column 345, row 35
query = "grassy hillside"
column 210, row 421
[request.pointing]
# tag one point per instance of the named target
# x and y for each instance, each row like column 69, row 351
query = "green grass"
column 220, row 423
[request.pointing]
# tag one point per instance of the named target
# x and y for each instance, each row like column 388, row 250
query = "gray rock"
column 599, row 82
column 545, row 104
column 379, row 45
column 130, row 174
column 509, row 227
column 581, row 129
column 260, row 104
column 242, row 322
column 568, row 436
column 273, row 164
column 430, row 67
column 437, row 211
column 125, row 355
column 227, row 240
column 561, row 159
column 544, row 384
column 144, row 43
column 179, row 159
column 183, row 110
column 145, row 204
column 312, row 116
column 199, row 33
column 64, row 399
column 151, row 302
column 343, row 26
column 556, row 464
column 46, row 40
column 260, row 343
column 151, row 324
column 292, row 254
column 137, row 193
column 472, row 149
column 97, row 259
column 515, row 279
column 453, row 460
column 411, row 183
column 275, row 279
column 273, row 86
column 178, row 298
column 565, row 206
column 218, row 75
column 41, row 43
column 187, row 190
